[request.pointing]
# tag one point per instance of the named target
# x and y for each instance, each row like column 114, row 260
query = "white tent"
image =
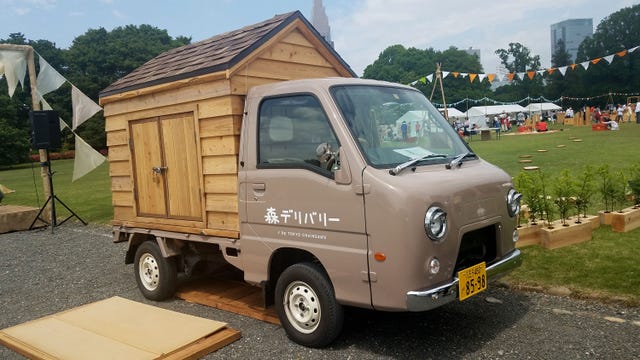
column 540, row 107
column 453, row 113
column 495, row 110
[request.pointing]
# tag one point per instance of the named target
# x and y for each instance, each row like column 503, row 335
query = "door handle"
column 259, row 186
column 159, row 169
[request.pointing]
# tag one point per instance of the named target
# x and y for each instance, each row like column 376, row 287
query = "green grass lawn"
column 608, row 265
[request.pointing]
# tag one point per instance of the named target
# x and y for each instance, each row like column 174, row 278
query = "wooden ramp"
column 229, row 295
column 118, row 328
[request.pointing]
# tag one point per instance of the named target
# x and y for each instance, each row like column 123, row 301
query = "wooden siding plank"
column 122, row 198
column 296, row 54
column 265, row 68
column 118, row 137
column 221, row 106
column 220, row 145
column 114, row 124
column 222, row 203
column 297, row 38
column 154, row 112
column 220, row 126
column 221, row 184
column 223, row 221
column 119, row 153
column 119, row 168
column 222, row 164
column 123, row 213
column 121, row 183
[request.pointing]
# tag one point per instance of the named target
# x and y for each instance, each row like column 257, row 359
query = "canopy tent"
column 452, row 113
column 494, row 110
column 540, row 107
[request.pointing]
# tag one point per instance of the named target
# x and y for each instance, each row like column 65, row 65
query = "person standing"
column 638, row 111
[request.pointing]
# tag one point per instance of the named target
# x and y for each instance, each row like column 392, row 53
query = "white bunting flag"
column 15, row 68
column 562, row 70
column 585, row 65
column 481, row 76
column 445, row 74
column 430, row 77
column 83, row 107
column 520, row 75
column 48, row 78
column 86, row 159
column 609, row 58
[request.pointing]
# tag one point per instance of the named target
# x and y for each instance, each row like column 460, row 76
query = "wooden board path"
column 229, row 295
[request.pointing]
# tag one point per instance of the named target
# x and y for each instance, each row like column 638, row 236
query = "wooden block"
column 561, row 236
column 525, row 161
column 525, row 156
column 528, row 235
column 628, row 220
column 18, row 218
column 529, row 168
column 542, row 150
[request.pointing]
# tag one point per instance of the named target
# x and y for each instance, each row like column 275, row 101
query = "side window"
column 294, row 132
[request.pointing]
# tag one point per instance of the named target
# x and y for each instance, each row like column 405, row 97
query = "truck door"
column 293, row 200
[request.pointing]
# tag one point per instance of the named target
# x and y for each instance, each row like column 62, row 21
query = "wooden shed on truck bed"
column 173, row 124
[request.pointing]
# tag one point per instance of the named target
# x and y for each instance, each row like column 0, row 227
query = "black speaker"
column 45, row 129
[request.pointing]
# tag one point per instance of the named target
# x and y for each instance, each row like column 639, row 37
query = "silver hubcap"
column 148, row 271
column 302, row 307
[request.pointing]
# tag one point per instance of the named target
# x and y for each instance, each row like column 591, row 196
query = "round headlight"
column 513, row 202
column 435, row 223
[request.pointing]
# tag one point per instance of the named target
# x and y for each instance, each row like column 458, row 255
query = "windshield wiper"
column 457, row 161
column 396, row 170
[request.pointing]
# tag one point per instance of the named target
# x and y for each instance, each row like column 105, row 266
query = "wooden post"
column 435, row 82
column 35, row 106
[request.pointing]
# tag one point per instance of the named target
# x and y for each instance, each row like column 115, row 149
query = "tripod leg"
column 71, row 211
column 40, row 213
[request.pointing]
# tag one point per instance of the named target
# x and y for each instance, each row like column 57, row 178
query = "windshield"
column 395, row 125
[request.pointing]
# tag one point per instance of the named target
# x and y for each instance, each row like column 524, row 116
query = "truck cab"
column 358, row 192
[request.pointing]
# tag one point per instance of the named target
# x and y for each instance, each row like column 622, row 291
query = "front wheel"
column 156, row 275
column 307, row 306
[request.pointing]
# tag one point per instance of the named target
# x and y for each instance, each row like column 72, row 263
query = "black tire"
column 156, row 275
column 307, row 306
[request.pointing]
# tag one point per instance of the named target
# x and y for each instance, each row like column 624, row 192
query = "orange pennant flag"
column 490, row 77
column 531, row 74
column 472, row 77
column 573, row 66
column 551, row 70
column 455, row 74
column 510, row 76
column 595, row 61
column 622, row 53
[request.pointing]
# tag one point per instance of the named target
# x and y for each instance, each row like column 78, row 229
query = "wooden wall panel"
column 121, row 183
column 117, row 137
column 220, row 126
column 123, row 213
column 296, row 37
column 222, row 164
column 224, row 221
column 222, row 203
column 221, row 106
column 119, row 168
column 122, row 198
column 266, row 68
column 296, row 54
column 221, row 184
column 119, row 153
column 220, row 145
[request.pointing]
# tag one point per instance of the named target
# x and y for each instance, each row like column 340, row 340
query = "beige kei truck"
column 325, row 192
column 350, row 192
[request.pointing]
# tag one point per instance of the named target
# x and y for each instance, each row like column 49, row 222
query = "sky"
column 360, row 29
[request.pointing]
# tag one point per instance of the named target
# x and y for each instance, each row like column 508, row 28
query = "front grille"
column 477, row 246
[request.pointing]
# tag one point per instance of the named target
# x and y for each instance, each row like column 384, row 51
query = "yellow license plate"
column 472, row 280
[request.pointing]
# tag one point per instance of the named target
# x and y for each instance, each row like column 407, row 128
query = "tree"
column 518, row 59
column 560, row 56
column 557, row 84
column 399, row 64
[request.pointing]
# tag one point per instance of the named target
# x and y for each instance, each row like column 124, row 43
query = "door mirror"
column 341, row 170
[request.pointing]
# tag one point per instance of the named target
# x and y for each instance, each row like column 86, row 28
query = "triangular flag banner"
column 481, row 77
column 585, row 65
column 46, row 106
column 595, row 61
column 445, row 74
column 423, row 80
column 609, row 58
column 551, row 70
column 15, row 68
column 430, row 77
column 491, row 77
column 413, row 82
column 464, row 75
column 573, row 66
column 472, row 77
column 510, row 76
column 531, row 74
column 622, row 53
column 83, row 107
column 562, row 70
column 520, row 75
column 633, row 49
column 86, row 159
column 455, row 74
column 48, row 78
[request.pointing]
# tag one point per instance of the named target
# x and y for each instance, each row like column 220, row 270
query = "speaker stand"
column 52, row 199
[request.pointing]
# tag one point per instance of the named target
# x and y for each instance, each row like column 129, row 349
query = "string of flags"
column 528, row 99
column 531, row 74
column 13, row 65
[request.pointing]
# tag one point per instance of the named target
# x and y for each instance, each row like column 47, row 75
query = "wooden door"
column 167, row 175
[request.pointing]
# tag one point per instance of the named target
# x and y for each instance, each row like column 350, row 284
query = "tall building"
column 572, row 32
column 320, row 21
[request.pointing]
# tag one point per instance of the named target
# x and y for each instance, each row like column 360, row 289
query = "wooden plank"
column 173, row 97
column 117, row 137
column 155, row 112
column 296, row 37
column 119, row 168
column 221, row 184
column 114, row 124
column 122, row 198
column 118, row 328
column 220, row 126
column 221, row 106
column 223, row 221
column 221, row 145
column 228, row 295
column 241, row 85
column 121, row 183
column 277, row 69
column 222, row 164
column 222, row 203
column 123, row 213
column 119, row 153
column 175, row 226
column 295, row 54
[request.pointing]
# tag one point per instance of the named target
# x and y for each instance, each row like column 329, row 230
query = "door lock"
column 159, row 169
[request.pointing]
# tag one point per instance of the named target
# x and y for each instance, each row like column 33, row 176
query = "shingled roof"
column 220, row 52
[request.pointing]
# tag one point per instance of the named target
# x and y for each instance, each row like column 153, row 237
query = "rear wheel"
column 307, row 306
column 156, row 275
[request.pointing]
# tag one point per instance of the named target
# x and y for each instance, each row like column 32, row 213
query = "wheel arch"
column 169, row 247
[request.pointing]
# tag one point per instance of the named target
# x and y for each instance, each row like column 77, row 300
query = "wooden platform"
column 118, row 328
column 17, row 218
column 229, row 295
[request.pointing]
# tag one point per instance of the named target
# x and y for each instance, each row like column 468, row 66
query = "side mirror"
column 341, row 170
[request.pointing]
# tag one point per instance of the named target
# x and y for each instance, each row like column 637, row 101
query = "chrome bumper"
column 423, row 300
